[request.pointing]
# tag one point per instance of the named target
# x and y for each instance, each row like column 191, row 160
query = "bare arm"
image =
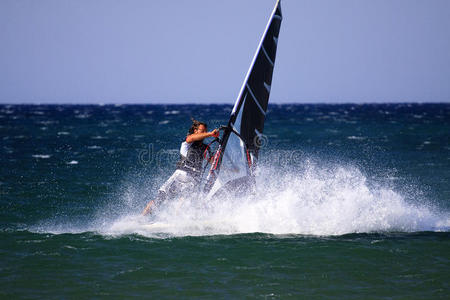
column 201, row 136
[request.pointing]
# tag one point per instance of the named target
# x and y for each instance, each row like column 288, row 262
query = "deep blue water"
column 353, row 201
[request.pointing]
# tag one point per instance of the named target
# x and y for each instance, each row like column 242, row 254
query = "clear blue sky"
column 198, row 51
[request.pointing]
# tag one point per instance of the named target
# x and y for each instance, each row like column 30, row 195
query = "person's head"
column 198, row 127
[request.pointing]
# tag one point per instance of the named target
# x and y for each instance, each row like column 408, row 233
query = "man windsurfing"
column 189, row 168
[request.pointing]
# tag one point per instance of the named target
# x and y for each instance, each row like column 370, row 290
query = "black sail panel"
column 236, row 156
column 258, row 85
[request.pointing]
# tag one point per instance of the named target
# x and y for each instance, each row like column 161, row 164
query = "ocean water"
column 353, row 202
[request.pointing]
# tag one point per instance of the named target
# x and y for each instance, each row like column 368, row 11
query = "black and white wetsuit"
column 188, row 173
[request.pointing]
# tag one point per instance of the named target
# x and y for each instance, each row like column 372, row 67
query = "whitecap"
column 73, row 162
column 163, row 122
column 41, row 155
column 172, row 112
column 352, row 137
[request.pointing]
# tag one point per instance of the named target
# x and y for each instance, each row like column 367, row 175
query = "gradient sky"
column 198, row 51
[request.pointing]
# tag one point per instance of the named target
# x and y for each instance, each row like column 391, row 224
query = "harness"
column 192, row 162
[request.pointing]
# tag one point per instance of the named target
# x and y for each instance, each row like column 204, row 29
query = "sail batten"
column 256, row 100
column 267, row 56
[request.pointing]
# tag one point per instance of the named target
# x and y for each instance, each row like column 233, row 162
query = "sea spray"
column 307, row 199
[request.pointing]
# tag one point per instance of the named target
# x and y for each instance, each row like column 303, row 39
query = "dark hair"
column 196, row 124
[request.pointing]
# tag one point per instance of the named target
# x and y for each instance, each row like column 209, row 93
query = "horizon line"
column 218, row 103
column 223, row 103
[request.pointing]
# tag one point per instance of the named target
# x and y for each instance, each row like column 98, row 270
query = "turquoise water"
column 353, row 201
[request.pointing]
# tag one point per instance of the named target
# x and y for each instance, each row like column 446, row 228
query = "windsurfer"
column 189, row 168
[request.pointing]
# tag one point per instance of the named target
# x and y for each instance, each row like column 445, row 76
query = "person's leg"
column 166, row 190
column 160, row 198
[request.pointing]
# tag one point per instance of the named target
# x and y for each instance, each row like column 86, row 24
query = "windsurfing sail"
column 234, row 161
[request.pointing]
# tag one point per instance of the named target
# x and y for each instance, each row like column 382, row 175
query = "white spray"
column 331, row 200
